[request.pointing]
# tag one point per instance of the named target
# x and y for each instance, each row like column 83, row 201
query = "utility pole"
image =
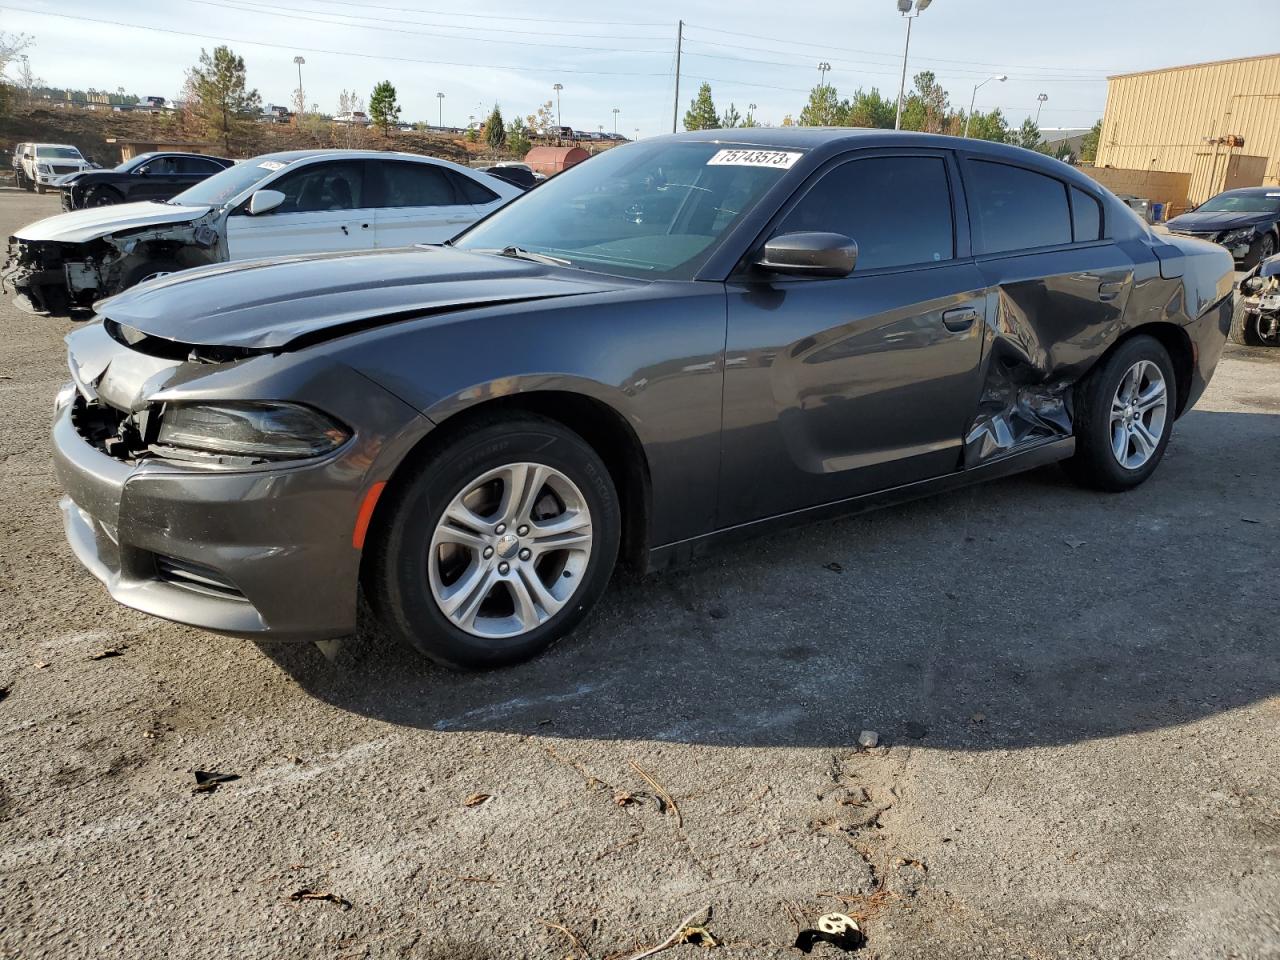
column 675, row 110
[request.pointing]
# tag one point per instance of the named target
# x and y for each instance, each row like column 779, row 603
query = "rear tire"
column 1244, row 326
column 424, row 564
column 148, row 271
column 1123, row 425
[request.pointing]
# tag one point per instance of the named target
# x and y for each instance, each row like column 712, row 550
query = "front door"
column 840, row 387
column 419, row 204
column 324, row 211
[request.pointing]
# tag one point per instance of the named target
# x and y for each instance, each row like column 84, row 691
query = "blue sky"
column 622, row 55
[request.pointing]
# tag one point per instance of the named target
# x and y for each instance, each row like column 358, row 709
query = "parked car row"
column 292, row 203
column 148, row 176
column 681, row 342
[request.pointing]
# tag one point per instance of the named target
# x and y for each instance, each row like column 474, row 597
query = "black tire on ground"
column 102, row 197
column 397, row 581
column 1244, row 326
column 40, row 187
column 1263, row 247
column 1094, row 464
column 144, row 271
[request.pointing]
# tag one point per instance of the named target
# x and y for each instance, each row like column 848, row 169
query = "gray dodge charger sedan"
column 679, row 342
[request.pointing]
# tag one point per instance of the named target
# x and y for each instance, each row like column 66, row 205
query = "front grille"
column 196, row 578
column 64, row 168
column 1197, row 234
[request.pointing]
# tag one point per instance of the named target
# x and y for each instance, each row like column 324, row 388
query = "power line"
column 872, row 53
column 337, row 53
column 292, row 13
column 360, row 4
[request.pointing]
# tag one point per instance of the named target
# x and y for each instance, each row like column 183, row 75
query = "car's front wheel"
column 1124, row 412
column 1263, row 247
column 103, row 197
column 497, row 544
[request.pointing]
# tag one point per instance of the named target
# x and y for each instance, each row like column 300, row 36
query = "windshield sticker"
column 781, row 159
column 271, row 165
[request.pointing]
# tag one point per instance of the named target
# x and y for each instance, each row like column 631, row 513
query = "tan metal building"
column 1217, row 122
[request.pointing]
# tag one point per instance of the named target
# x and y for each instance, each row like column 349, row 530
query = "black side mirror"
column 809, row 255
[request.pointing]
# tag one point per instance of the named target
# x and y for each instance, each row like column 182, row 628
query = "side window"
column 897, row 209
column 196, row 167
column 1017, row 209
column 321, row 186
column 1086, row 217
column 162, row 166
column 415, row 185
column 470, row 191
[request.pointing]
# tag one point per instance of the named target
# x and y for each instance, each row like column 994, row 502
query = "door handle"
column 1110, row 289
column 960, row 319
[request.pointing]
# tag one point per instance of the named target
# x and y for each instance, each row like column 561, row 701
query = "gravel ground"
column 1077, row 697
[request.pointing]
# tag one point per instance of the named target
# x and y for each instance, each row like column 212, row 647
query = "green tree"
column 226, row 107
column 495, row 131
column 823, row 108
column 1028, row 134
column 1089, row 145
column 518, row 138
column 991, row 126
column 731, row 118
column 702, row 111
column 383, row 109
column 869, row 109
column 928, row 106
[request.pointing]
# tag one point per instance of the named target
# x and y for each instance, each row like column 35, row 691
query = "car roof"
column 63, row 146
column 1251, row 192
column 289, row 156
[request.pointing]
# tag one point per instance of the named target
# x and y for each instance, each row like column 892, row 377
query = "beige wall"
column 1160, row 120
column 1160, row 186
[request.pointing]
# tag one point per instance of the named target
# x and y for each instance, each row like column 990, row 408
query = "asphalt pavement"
column 1077, row 698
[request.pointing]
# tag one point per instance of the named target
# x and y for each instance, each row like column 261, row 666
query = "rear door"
column 1058, row 290
column 325, row 210
column 419, row 203
column 840, row 387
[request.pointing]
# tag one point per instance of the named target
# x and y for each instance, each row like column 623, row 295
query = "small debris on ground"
column 108, row 652
column 477, row 799
column 833, row 928
column 1250, row 520
column 718, row 612
column 698, row 936
column 916, row 730
column 833, row 567
column 573, row 937
column 868, row 739
column 304, row 894
column 978, row 717
column 677, row 936
column 208, row 781
column 4, row 692
column 666, row 803
column 40, row 664
column 1073, row 543
column 625, row 798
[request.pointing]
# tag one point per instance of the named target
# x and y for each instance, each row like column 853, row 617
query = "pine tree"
column 823, row 108
column 1029, row 134
column 495, row 130
column 518, row 138
column 731, row 118
column 1089, row 144
column 226, row 107
column 383, row 109
column 702, row 111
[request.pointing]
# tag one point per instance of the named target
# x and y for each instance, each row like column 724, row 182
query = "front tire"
column 40, row 187
column 1263, row 247
column 1244, row 326
column 1124, row 417
column 148, row 271
column 102, row 197
column 496, row 545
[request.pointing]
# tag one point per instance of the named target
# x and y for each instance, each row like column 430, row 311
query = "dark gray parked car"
column 685, row 340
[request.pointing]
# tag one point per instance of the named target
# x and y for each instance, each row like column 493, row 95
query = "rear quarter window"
column 470, row 191
column 1016, row 208
column 1086, row 216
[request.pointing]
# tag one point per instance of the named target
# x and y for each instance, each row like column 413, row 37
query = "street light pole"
column 557, row 88
column 904, row 8
column 972, row 100
column 302, row 97
column 1042, row 98
column 823, row 67
column 615, row 120
column 440, row 116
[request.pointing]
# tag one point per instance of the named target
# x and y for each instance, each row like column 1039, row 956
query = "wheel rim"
column 1138, row 412
column 510, row 550
column 1267, row 247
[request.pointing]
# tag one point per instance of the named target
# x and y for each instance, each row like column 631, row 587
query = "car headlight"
column 265, row 430
column 44, row 168
column 1236, row 236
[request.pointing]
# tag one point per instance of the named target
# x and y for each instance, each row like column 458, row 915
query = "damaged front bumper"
column 253, row 553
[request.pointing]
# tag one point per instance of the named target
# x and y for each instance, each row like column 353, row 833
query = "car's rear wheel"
column 1124, row 412
column 150, row 270
column 497, row 545
column 103, row 197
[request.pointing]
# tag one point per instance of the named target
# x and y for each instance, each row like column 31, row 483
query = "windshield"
column 1242, row 203
column 134, row 163
column 231, row 182
column 643, row 210
column 58, row 153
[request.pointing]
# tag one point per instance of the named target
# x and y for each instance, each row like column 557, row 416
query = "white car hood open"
column 81, row 226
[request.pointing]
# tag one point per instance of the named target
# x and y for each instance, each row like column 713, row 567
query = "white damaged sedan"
column 280, row 204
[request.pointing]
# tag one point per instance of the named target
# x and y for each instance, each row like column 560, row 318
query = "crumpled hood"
column 1217, row 221
column 268, row 304
column 81, row 226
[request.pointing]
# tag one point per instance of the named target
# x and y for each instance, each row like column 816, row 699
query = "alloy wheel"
column 510, row 550
column 1138, row 411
